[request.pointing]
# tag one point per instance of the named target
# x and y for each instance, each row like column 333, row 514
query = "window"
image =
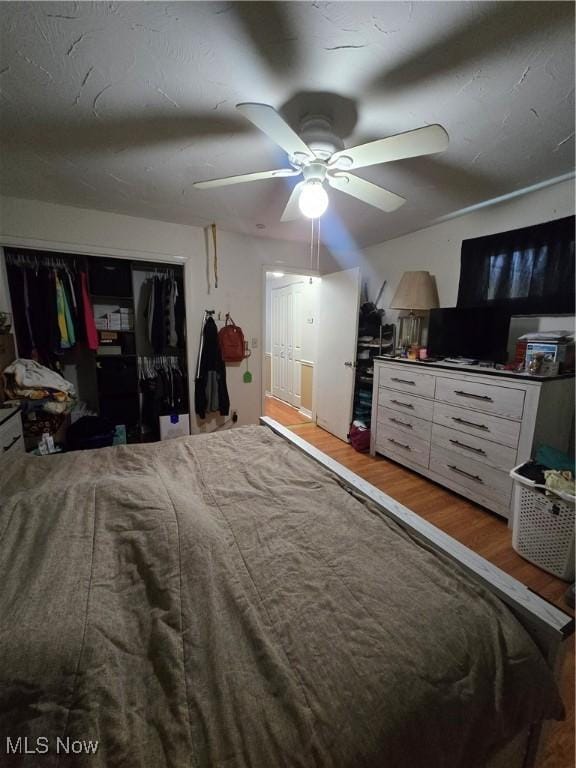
column 529, row 271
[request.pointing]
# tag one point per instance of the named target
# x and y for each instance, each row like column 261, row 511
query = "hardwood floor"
column 283, row 413
column 484, row 532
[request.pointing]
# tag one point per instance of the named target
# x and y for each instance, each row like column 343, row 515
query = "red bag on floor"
column 359, row 438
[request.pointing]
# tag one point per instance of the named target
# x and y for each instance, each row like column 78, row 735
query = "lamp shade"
column 416, row 291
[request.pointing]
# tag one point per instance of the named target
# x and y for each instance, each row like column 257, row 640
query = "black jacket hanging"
column 210, row 392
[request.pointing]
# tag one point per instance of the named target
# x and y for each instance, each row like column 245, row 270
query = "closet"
column 115, row 328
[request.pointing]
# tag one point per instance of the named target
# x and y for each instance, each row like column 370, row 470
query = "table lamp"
column 416, row 292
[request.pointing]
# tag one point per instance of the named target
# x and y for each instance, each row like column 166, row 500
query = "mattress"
column 222, row 601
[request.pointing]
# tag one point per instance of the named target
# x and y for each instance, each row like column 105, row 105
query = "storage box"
column 561, row 354
column 174, row 425
column 110, row 277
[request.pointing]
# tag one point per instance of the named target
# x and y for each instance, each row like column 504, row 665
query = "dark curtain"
column 528, row 271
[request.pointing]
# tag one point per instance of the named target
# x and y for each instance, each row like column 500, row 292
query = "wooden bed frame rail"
column 546, row 624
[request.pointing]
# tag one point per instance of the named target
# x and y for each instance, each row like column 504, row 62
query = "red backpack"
column 231, row 341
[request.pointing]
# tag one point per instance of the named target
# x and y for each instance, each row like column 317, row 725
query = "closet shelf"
column 118, row 357
column 108, row 297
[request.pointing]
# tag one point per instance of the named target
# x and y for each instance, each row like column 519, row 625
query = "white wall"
column 437, row 248
column 47, row 226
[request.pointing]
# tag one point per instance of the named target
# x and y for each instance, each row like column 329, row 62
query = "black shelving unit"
column 111, row 285
column 374, row 339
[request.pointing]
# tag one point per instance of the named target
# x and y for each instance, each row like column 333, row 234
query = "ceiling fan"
column 319, row 155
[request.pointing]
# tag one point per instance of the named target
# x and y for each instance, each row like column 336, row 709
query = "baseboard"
column 305, row 412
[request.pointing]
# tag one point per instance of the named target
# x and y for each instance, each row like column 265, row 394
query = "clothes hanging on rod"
column 164, row 389
column 52, row 310
column 87, row 313
column 211, row 392
column 164, row 311
column 65, row 324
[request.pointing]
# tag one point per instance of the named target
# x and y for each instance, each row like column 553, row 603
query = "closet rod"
column 35, row 261
column 161, row 271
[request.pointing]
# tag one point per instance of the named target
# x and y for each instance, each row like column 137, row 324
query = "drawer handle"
column 458, row 420
column 403, row 381
column 401, row 445
column 7, row 447
column 402, row 423
column 468, row 447
column 404, row 405
column 476, row 478
column 461, row 392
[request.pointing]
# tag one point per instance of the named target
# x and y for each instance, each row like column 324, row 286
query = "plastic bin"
column 543, row 527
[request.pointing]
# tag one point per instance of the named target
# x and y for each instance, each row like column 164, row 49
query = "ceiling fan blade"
column 229, row 180
column 275, row 127
column 292, row 210
column 483, row 33
column 366, row 191
column 421, row 141
column 272, row 30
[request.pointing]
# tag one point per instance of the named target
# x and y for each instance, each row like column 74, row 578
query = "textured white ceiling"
column 120, row 106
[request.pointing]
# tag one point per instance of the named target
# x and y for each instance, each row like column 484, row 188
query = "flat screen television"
column 475, row 332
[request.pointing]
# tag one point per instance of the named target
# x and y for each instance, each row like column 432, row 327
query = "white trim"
column 545, row 622
column 305, row 412
column 504, row 198
column 136, row 254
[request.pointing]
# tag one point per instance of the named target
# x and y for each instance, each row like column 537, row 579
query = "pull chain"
column 318, row 248
column 311, row 243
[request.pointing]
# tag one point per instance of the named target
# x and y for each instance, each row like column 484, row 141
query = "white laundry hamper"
column 543, row 526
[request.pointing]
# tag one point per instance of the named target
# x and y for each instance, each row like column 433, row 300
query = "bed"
column 225, row 601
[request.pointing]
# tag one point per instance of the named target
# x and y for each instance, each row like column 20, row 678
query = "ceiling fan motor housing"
column 316, row 131
column 315, row 171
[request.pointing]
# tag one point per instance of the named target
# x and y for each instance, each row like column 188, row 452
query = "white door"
column 278, row 331
column 337, row 338
column 286, row 331
column 298, row 310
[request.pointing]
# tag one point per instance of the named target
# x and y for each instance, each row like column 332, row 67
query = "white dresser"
column 11, row 438
column 465, row 428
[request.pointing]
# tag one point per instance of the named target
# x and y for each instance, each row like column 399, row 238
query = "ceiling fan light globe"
column 313, row 200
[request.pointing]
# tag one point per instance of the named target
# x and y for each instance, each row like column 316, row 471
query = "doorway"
column 290, row 347
column 309, row 350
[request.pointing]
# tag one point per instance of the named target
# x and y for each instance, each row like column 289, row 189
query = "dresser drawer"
column 405, row 447
column 471, row 474
column 11, row 440
column 407, row 381
column 483, row 425
column 404, row 403
column 474, row 447
column 405, row 422
column 504, row 401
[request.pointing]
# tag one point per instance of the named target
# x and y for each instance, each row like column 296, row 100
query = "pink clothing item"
column 91, row 332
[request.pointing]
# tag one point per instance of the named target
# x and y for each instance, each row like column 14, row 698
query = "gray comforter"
column 221, row 601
